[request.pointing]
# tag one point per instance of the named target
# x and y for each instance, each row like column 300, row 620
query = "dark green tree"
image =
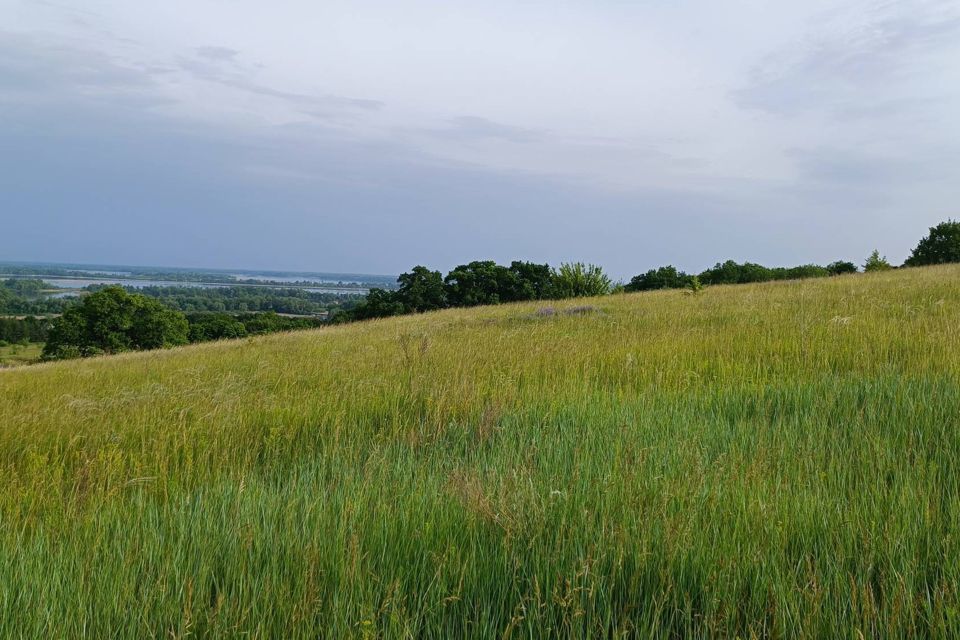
column 941, row 246
column 841, row 267
column 533, row 281
column 111, row 321
column 379, row 303
column 215, row 326
column 800, row 272
column 663, row 278
column 155, row 326
column 480, row 282
column 422, row 290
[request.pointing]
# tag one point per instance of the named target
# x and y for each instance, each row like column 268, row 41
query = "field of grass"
column 777, row 460
column 13, row 355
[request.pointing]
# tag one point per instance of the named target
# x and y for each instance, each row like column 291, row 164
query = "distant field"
column 15, row 354
column 776, row 460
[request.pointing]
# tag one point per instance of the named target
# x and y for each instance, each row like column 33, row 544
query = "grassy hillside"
column 774, row 460
column 12, row 355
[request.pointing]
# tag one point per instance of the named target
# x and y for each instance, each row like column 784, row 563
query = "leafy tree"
column 29, row 329
column 841, row 267
column 270, row 322
column 422, row 290
column 941, row 246
column 533, row 281
column 800, row 272
column 215, row 326
column 730, row 272
column 155, row 326
column 663, row 278
column 379, row 303
column 694, row 286
column 575, row 280
column 113, row 320
column 480, row 282
column 876, row 263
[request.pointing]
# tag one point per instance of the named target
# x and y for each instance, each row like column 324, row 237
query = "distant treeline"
column 357, row 281
column 246, row 299
column 731, row 272
column 114, row 320
column 485, row 282
column 204, row 327
column 23, row 297
column 24, row 330
column 479, row 283
column 29, row 297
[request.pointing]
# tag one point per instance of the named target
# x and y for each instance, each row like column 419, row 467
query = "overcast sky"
column 372, row 135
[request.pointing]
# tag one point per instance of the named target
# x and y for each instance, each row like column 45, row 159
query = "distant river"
column 79, row 283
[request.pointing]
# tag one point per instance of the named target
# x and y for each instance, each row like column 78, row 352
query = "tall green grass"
column 777, row 460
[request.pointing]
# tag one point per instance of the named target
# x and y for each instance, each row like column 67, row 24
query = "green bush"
column 841, row 267
column 876, row 263
column 576, row 280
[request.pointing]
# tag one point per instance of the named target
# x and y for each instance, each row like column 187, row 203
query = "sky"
column 373, row 135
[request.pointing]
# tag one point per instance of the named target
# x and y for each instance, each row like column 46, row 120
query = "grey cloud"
column 860, row 169
column 33, row 72
column 911, row 108
column 839, row 166
column 477, row 127
column 217, row 53
column 209, row 70
column 229, row 198
column 27, row 63
column 839, row 72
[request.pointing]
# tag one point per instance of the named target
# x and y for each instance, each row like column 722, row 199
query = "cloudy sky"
column 372, row 135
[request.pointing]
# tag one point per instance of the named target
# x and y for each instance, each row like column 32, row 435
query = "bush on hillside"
column 841, row 267
column 876, row 263
column 577, row 280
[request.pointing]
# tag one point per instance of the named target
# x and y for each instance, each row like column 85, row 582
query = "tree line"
column 24, row 330
column 486, row 282
column 113, row 319
column 26, row 297
column 481, row 282
column 243, row 299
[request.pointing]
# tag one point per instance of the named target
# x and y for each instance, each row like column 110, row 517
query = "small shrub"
column 578, row 280
column 876, row 263
column 694, row 286
column 841, row 267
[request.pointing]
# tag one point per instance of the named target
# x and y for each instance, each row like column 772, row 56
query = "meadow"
column 12, row 355
column 775, row 460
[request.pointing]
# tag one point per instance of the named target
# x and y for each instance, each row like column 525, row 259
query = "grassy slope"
column 13, row 355
column 770, row 460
